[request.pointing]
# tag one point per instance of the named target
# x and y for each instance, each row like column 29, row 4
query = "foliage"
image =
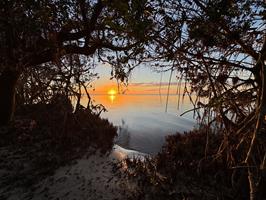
column 36, row 32
column 72, row 77
column 215, row 47
column 218, row 48
column 51, row 46
column 74, row 129
column 44, row 137
column 182, row 170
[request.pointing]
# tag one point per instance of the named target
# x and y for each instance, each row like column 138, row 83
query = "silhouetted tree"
column 219, row 47
column 37, row 32
column 69, row 77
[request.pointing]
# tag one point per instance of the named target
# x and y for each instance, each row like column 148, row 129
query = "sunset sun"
column 112, row 92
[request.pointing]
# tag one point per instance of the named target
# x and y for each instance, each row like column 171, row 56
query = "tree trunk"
column 8, row 81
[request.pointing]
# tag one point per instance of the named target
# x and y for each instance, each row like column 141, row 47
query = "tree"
column 69, row 77
column 219, row 47
column 38, row 32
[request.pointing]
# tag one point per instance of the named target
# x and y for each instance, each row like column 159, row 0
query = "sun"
column 112, row 92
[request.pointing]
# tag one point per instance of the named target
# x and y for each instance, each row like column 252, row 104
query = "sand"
column 91, row 177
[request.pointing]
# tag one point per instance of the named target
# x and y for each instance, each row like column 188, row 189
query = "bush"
column 46, row 136
column 184, row 169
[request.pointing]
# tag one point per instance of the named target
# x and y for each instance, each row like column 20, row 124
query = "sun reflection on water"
column 112, row 98
column 112, row 95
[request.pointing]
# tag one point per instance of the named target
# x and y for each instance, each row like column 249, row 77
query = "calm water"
column 143, row 120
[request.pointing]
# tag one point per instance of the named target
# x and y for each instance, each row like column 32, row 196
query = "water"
column 145, row 120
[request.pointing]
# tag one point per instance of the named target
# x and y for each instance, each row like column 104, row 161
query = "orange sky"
column 137, row 88
column 114, row 100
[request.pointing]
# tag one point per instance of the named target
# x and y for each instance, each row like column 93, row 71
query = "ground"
column 51, row 152
column 94, row 176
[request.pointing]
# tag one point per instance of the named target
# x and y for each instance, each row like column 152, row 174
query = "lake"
column 144, row 120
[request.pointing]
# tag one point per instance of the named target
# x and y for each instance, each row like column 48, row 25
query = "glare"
column 112, row 92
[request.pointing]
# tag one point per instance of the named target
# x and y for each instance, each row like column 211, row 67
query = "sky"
column 143, row 80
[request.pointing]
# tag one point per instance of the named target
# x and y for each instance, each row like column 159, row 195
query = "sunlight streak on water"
column 112, row 98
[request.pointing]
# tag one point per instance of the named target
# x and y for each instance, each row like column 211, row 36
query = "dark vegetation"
column 183, row 170
column 44, row 137
column 49, row 48
column 218, row 48
column 36, row 36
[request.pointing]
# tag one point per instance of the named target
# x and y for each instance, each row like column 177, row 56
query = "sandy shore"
column 92, row 177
